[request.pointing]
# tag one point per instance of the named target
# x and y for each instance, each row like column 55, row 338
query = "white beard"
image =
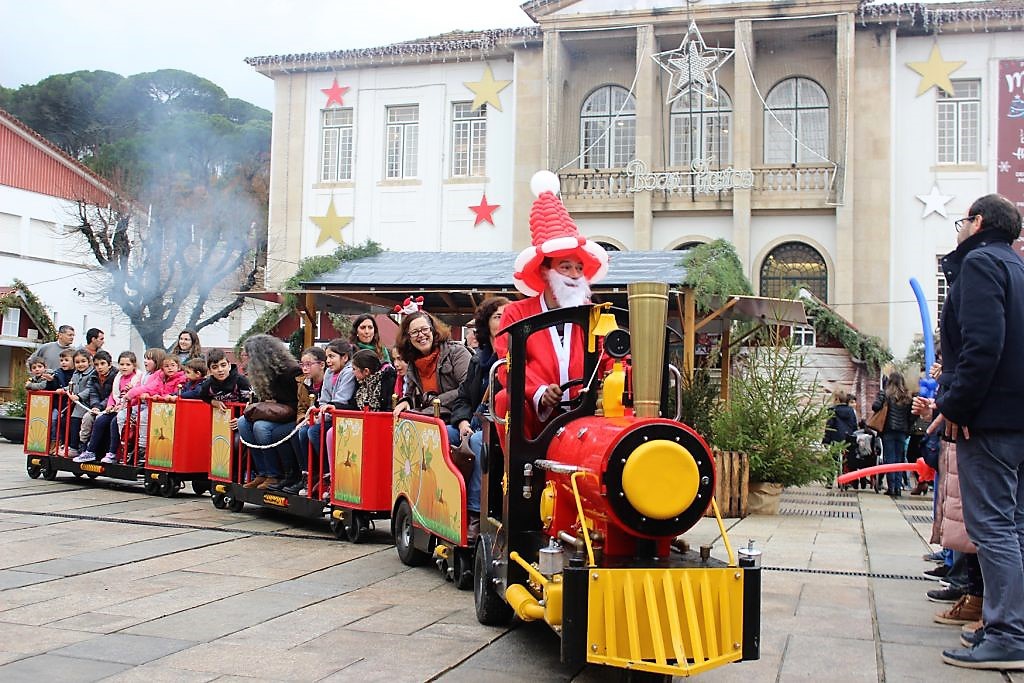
column 568, row 292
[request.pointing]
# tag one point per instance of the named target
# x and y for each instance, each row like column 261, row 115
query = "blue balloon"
column 927, row 385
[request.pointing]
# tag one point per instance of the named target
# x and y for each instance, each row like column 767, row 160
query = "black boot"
column 294, row 487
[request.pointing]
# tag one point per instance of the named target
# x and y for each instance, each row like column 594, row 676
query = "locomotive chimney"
column 648, row 311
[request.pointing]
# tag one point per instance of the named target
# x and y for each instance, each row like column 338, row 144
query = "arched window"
column 608, row 246
column 686, row 246
column 699, row 128
column 792, row 265
column 796, row 127
column 607, row 128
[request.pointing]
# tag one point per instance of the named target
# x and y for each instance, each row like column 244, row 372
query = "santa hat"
column 555, row 235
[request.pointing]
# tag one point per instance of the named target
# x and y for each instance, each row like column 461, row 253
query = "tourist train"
column 578, row 524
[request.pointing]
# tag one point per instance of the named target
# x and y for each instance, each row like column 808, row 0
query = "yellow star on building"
column 330, row 225
column 935, row 72
column 486, row 90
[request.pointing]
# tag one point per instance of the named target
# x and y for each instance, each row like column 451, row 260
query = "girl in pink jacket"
column 162, row 384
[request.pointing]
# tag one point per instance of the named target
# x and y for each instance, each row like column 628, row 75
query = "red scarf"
column 426, row 369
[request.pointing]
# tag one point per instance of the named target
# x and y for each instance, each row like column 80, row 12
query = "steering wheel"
column 569, row 404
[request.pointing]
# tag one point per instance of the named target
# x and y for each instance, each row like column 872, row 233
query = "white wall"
column 430, row 212
column 916, row 241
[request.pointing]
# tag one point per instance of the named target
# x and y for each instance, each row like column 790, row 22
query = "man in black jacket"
column 982, row 335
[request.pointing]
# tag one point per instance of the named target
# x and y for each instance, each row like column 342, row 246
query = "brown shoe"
column 966, row 610
column 972, row 626
column 254, row 483
column 267, row 483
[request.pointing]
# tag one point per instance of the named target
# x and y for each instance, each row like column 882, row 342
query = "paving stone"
column 923, row 664
column 160, row 673
column 124, row 648
column 65, row 566
column 10, row 578
column 263, row 660
column 97, row 622
column 50, row 667
column 401, row 619
column 847, row 659
column 32, row 640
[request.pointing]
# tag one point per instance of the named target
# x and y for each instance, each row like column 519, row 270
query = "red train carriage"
column 177, row 443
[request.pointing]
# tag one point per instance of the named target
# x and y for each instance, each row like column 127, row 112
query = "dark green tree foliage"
column 191, row 167
column 714, row 271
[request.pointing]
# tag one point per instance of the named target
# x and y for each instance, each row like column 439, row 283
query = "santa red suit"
column 553, row 356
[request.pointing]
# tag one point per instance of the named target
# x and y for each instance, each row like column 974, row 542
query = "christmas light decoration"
column 935, row 202
column 693, row 66
column 935, row 71
column 331, row 225
column 485, row 91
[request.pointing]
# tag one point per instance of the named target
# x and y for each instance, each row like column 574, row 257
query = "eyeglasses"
column 421, row 332
column 310, row 363
column 962, row 223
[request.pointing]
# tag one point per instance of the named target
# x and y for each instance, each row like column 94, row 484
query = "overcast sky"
column 211, row 38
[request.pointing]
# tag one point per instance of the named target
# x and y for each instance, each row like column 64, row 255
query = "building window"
column 336, row 148
column 608, row 128
column 607, row 246
column 403, row 131
column 686, row 246
column 796, row 123
column 941, row 287
column 803, row 335
column 957, row 123
column 699, row 128
column 12, row 321
column 469, row 139
column 793, row 265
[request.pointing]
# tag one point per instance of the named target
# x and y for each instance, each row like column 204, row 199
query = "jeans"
column 476, row 443
column 267, row 461
column 894, row 449
column 991, row 470
column 105, row 434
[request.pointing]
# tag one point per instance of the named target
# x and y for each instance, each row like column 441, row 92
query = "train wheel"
column 78, row 475
column 219, row 502
column 235, row 505
column 463, row 567
column 630, row 676
column 355, row 527
column 169, row 487
column 151, row 487
column 408, row 553
column 200, row 486
column 491, row 609
column 49, row 472
column 34, row 471
column 91, row 475
column 338, row 528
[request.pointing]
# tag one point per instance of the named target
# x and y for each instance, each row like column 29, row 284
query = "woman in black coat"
column 898, row 422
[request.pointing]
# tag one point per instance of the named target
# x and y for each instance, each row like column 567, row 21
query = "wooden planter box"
column 731, row 486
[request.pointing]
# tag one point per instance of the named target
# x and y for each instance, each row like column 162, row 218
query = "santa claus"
column 555, row 271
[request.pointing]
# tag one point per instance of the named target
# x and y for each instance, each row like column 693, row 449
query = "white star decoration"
column 1004, row 166
column 935, row 202
column 693, row 66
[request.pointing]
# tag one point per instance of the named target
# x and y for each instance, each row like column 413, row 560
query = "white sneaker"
column 109, row 458
column 85, row 456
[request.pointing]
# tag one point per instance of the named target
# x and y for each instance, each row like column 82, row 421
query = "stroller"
column 864, row 449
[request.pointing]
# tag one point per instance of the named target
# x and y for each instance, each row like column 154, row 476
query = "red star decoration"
column 484, row 211
column 335, row 93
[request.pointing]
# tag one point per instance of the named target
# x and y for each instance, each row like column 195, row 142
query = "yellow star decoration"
column 935, row 72
column 330, row 225
column 486, row 90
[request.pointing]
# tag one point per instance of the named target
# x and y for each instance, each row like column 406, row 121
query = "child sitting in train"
column 106, row 431
column 61, row 376
column 195, row 373
column 78, row 390
column 224, row 384
column 40, row 378
column 371, row 379
column 100, row 384
column 162, row 384
column 313, row 363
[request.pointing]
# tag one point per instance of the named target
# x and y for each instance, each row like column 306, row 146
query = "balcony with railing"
column 772, row 187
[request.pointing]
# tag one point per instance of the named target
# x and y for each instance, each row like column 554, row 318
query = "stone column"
column 284, row 236
column 648, row 112
column 842, row 290
column 744, row 110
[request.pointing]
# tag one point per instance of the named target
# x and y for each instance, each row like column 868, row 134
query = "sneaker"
column 937, row 573
column 86, row 456
column 937, row 557
column 951, row 594
column 109, row 458
column 985, row 655
column 966, row 610
column 972, row 633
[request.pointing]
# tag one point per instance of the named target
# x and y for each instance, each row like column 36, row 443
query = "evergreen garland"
column 308, row 269
column 714, row 271
column 870, row 350
column 32, row 306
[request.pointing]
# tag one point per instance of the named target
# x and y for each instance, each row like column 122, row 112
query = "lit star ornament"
column 935, row 72
column 935, row 202
column 330, row 225
column 335, row 93
column 485, row 91
column 484, row 211
column 693, row 66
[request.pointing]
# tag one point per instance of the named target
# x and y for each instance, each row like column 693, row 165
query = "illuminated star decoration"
column 335, row 93
column 485, row 91
column 484, row 211
column 935, row 202
column 693, row 66
column 935, row 72
column 330, row 225
column 1004, row 166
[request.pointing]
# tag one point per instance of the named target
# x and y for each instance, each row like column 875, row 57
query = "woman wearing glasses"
column 437, row 365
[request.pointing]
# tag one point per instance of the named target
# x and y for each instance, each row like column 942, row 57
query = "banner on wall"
column 1010, row 139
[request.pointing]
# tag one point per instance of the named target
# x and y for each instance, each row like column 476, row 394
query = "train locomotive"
column 580, row 520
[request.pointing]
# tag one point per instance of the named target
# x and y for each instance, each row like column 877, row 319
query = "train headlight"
column 660, row 479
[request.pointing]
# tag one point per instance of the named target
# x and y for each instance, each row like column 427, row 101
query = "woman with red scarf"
column 437, row 364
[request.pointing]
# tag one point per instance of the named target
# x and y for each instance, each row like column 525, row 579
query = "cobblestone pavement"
column 100, row 582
